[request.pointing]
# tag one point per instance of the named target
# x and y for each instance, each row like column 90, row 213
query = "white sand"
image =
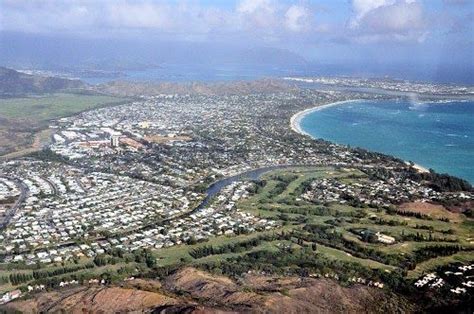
column 297, row 117
column 420, row 168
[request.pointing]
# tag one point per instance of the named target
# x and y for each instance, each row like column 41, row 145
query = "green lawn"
column 290, row 189
column 43, row 108
column 96, row 270
column 266, row 246
column 429, row 265
column 173, row 254
column 343, row 256
column 267, row 204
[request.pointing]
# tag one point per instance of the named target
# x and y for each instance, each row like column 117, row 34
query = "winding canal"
column 254, row 174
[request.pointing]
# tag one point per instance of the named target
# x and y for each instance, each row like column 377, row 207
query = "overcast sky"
column 325, row 30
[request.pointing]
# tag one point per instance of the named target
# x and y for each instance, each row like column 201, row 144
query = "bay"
column 437, row 135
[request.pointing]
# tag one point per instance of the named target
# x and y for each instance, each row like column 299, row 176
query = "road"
column 14, row 208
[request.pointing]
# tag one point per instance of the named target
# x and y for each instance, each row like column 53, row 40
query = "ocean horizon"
column 436, row 135
column 182, row 73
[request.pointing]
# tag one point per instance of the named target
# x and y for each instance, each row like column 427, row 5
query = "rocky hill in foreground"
column 193, row 291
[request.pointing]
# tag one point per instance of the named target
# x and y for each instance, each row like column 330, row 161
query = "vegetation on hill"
column 14, row 83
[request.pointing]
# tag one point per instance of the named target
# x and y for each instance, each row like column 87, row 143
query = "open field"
column 425, row 267
column 46, row 107
column 280, row 198
column 40, row 139
column 172, row 255
column 23, row 120
column 435, row 211
column 342, row 256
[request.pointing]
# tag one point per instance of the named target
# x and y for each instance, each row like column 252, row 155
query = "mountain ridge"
column 15, row 83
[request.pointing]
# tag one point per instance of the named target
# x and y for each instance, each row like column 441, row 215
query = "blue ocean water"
column 217, row 72
column 201, row 73
column 435, row 135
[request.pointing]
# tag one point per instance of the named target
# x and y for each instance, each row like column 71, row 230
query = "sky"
column 410, row 32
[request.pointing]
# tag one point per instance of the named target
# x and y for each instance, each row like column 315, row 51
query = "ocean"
column 191, row 72
column 433, row 134
column 221, row 72
column 183, row 73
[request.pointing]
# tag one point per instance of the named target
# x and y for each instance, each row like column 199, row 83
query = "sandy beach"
column 297, row 117
column 420, row 168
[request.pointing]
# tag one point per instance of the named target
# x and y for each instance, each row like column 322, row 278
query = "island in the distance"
column 201, row 197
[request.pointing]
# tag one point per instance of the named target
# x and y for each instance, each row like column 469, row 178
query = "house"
column 385, row 238
column 9, row 296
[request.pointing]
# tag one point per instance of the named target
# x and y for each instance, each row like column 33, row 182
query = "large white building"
column 114, row 141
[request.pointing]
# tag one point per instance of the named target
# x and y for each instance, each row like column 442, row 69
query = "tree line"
column 235, row 247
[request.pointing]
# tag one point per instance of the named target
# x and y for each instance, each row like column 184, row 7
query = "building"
column 144, row 125
column 9, row 296
column 385, row 238
column 114, row 141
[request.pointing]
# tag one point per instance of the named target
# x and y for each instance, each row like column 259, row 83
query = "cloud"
column 104, row 17
column 459, row 24
column 45, row 16
column 297, row 21
column 258, row 14
column 298, row 18
column 397, row 18
column 140, row 15
column 252, row 6
column 378, row 20
column 362, row 7
column 457, row 2
column 189, row 17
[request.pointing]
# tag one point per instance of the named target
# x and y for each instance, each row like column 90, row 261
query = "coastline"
column 295, row 121
column 420, row 168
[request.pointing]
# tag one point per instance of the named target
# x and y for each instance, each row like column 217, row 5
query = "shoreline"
column 295, row 121
column 420, row 168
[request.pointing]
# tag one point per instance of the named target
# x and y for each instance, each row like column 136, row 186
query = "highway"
column 12, row 211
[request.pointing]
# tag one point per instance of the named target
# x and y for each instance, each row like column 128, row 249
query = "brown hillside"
column 194, row 291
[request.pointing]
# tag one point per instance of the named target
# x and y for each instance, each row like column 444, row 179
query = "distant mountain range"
column 69, row 54
column 14, row 83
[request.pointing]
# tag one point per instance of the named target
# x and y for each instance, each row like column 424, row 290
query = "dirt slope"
column 264, row 294
column 94, row 300
column 194, row 291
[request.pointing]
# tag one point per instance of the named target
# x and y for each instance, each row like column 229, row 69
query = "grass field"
column 23, row 120
column 40, row 138
column 98, row 270
column 171, row 255
column 425, row 267
column 271, row 201
column 42, row 108
column 340, row 255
